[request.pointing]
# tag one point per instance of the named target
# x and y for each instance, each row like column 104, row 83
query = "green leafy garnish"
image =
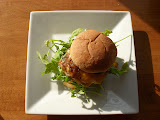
column 107, row 32
column 57, row 56
column 95, row 89
column 73, row 92
column 62, row 77
column 121, row 40
column 125, row 67
column 101, row 86
column 116, row 71
column 75, row 33
column 44, row 59
column 53, row 67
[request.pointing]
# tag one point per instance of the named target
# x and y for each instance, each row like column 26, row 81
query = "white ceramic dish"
column 44, row 96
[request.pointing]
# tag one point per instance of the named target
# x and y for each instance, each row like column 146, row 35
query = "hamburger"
column 89, row 58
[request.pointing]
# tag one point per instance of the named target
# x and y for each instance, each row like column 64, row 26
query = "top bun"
column 93, row 52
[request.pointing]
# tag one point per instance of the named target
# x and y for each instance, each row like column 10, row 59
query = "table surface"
column 14, row 25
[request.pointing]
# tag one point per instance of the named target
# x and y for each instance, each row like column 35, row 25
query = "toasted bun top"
column 93, row 52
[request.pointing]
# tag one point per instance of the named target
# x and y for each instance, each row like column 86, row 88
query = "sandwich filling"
column 77, row 75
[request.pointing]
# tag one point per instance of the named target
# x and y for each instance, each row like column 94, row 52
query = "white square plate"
column 44, row 96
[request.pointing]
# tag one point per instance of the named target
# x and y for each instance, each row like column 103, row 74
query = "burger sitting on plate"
column 85, row 59
column 89, row 59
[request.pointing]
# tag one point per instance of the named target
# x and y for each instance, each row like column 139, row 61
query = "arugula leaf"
column 121, row 40
column 125, row 68
column 47, row 42
column 81, row 92
column 73, row 92
column 57, row 56
column 101, row 86
column 59, row 77
column 64, row 50
column 52, row 41
column 44, row 59
column 116, row 71
column 95, row 93
column 76, row 32
column 107, row 32
column 80, row 89
column 67, row 79
column 60, row 70
column 57, row 47
column 66, row 44
column 52, row 67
